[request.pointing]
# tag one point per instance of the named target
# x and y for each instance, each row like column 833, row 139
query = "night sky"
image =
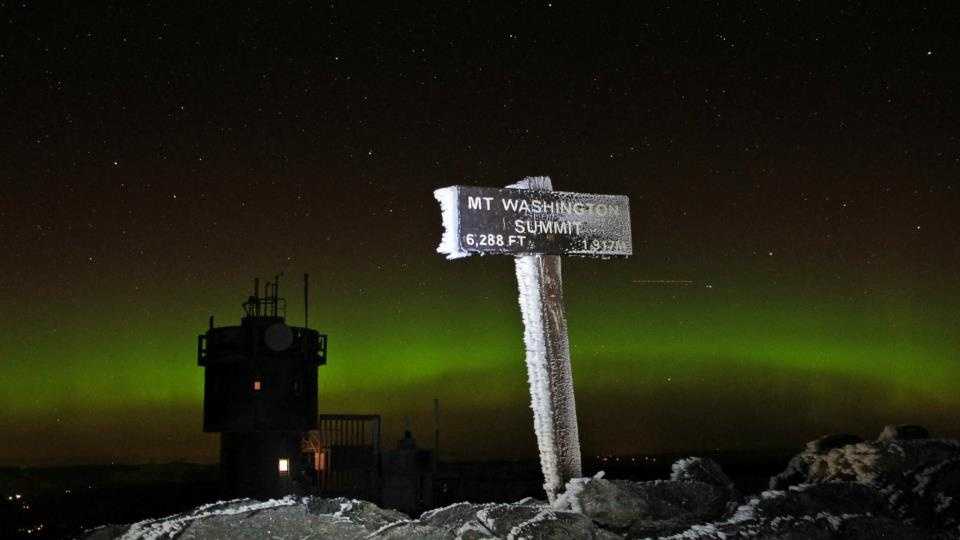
column 793, row 171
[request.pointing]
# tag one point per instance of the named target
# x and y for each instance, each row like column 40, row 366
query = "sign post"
column 536, row 224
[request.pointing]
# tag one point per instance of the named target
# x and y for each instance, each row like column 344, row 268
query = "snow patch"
column 476, row 526
column 943, row 502
column 570, row 499
column 834, row 520
column 680, row 465
column 344, row 507
column 745, row 512
column 387, row 527
column 546, row 515
column 426, row 516
column 924, row 477
column 698, row 531
column 772, row 494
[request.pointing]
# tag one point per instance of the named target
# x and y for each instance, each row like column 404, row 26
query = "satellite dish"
column 278, row 337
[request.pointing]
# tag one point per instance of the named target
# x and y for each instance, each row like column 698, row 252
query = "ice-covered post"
column 548, row 361
column 536, row 224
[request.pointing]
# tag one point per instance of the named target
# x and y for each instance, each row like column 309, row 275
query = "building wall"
column 250, row 464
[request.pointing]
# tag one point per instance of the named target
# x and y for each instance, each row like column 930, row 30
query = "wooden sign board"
column 489, row 220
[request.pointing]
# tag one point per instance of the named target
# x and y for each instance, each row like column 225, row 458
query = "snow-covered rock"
column 900, row 450
column 698, row 492
column 811, row 511
column 701, row 470
column 366, row 514
column 798, row 470
column 893, row 455
column 290, row 517
column 525, row 519
column 918, row 477
column 501, row 519
column 557, row 524
column 209, row 515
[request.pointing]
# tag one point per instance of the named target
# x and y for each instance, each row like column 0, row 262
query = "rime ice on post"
column 536, row 224
column 548, row 362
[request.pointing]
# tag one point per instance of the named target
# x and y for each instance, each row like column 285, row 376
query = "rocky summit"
column 901, row 485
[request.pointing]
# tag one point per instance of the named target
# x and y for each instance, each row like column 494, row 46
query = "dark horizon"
column 792, row 172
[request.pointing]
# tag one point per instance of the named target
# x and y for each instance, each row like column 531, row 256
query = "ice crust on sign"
column 548, row 366
column 594, row 226
column 450, row 214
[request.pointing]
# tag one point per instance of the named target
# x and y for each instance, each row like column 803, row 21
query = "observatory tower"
column 260, row 394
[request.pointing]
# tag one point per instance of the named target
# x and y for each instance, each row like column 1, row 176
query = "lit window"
column 257, row 386
column 284, row 467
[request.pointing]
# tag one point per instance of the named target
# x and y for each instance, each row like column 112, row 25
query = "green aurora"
column 710, row 364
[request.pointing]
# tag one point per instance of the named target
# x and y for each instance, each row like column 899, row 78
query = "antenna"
column 256, row 296
column 306, row 300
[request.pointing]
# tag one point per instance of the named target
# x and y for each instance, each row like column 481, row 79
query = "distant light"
column 283, row 466
column 257, row 386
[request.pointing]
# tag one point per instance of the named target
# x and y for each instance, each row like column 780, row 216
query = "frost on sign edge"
column 450, row 213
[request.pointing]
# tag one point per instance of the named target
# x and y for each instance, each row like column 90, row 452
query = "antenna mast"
column 276, row 292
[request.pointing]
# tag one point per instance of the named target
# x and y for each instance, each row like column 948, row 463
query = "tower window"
column 283, row 467
column 257, row 385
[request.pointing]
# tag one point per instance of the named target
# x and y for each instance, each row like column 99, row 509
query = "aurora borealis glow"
column 806, row 190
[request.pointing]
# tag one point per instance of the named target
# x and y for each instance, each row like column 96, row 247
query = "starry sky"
column 793, row 172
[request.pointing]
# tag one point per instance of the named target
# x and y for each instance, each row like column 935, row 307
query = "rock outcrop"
column 698, row 492
column 918, row 477
column 902, row 485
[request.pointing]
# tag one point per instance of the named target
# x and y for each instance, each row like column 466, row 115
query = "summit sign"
column 521, row 221
column 537, row 225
